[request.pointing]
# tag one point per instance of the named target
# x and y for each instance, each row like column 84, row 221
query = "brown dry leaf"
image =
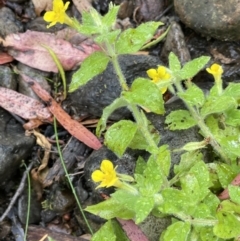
column 83, row 5
column 27, row 48
column 42, row 5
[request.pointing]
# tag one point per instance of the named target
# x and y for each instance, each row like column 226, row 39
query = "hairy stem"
column 204, row 128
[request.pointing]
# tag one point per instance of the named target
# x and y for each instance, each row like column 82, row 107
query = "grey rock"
column 175, row 42
column 219, row 19
column 9, row 23
column 81, row 192
column 62, row 201
column 35, row 209
column 8, row 78
column 14, row 146
column 103, row 89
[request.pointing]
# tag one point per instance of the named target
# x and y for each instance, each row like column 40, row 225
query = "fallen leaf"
column 22, row 105
column 5, row 58
column 43, row 5
column 133, row 232
column 28, row 49
column 72, row 126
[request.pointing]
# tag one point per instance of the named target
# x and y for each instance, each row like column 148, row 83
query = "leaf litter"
column 28, row 49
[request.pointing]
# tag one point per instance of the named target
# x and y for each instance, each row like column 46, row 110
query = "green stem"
column 114, row 59
column 204, row 128
column 68, row 178
column 29, row 202
column 60, row 69
column 143, row 128
column 134, row 108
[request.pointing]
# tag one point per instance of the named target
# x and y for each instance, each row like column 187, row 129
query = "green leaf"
column 174, row 63
column 233, row 90
column 232, row 117
column 163, row 159
column 225, row 174
column 234, row 193
column 193, row 96
column 126, row 199
column 116, row 104
column 153, row 178
column 93, row 65
column 139, row 141
column 109, row 209
column 143, row 207
column 177, row 231
column 206, row 234
column 212, row 202
column 175, row 201
column 140, row 166
column 120, row 234
column 191, row 68
column 193, row 146
column 231, row 144
column 200, row 171
column 227, row 226
column 88, row 26
column 229, row 206
column 217, row 105
column 145, row 93
column 190, row 187
column 188, row 159
column 119, row 136
column 131, row 40
column 109, row 36
column 105, row 233
column 180, row 120
column 110, row 17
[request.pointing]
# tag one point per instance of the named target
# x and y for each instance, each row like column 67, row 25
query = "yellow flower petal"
column 57, row 5
column 97, row 176
column 49, row 16
column 152, row 73
column 66, row 5
column 215, row 70
column 107, row 166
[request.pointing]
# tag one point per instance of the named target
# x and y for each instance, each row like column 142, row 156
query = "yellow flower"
column 216, row 70
column 158, row 75
column 58, row 14
column 106, row 175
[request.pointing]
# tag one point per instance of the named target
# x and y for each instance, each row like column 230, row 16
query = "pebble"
column 218, row 19
column 9, row 23
column 14, row 146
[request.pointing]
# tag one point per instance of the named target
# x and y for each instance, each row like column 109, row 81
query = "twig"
column 17, row 193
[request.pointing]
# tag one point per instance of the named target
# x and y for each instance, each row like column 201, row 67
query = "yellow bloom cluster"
column 58, row 14
column 158, row 75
